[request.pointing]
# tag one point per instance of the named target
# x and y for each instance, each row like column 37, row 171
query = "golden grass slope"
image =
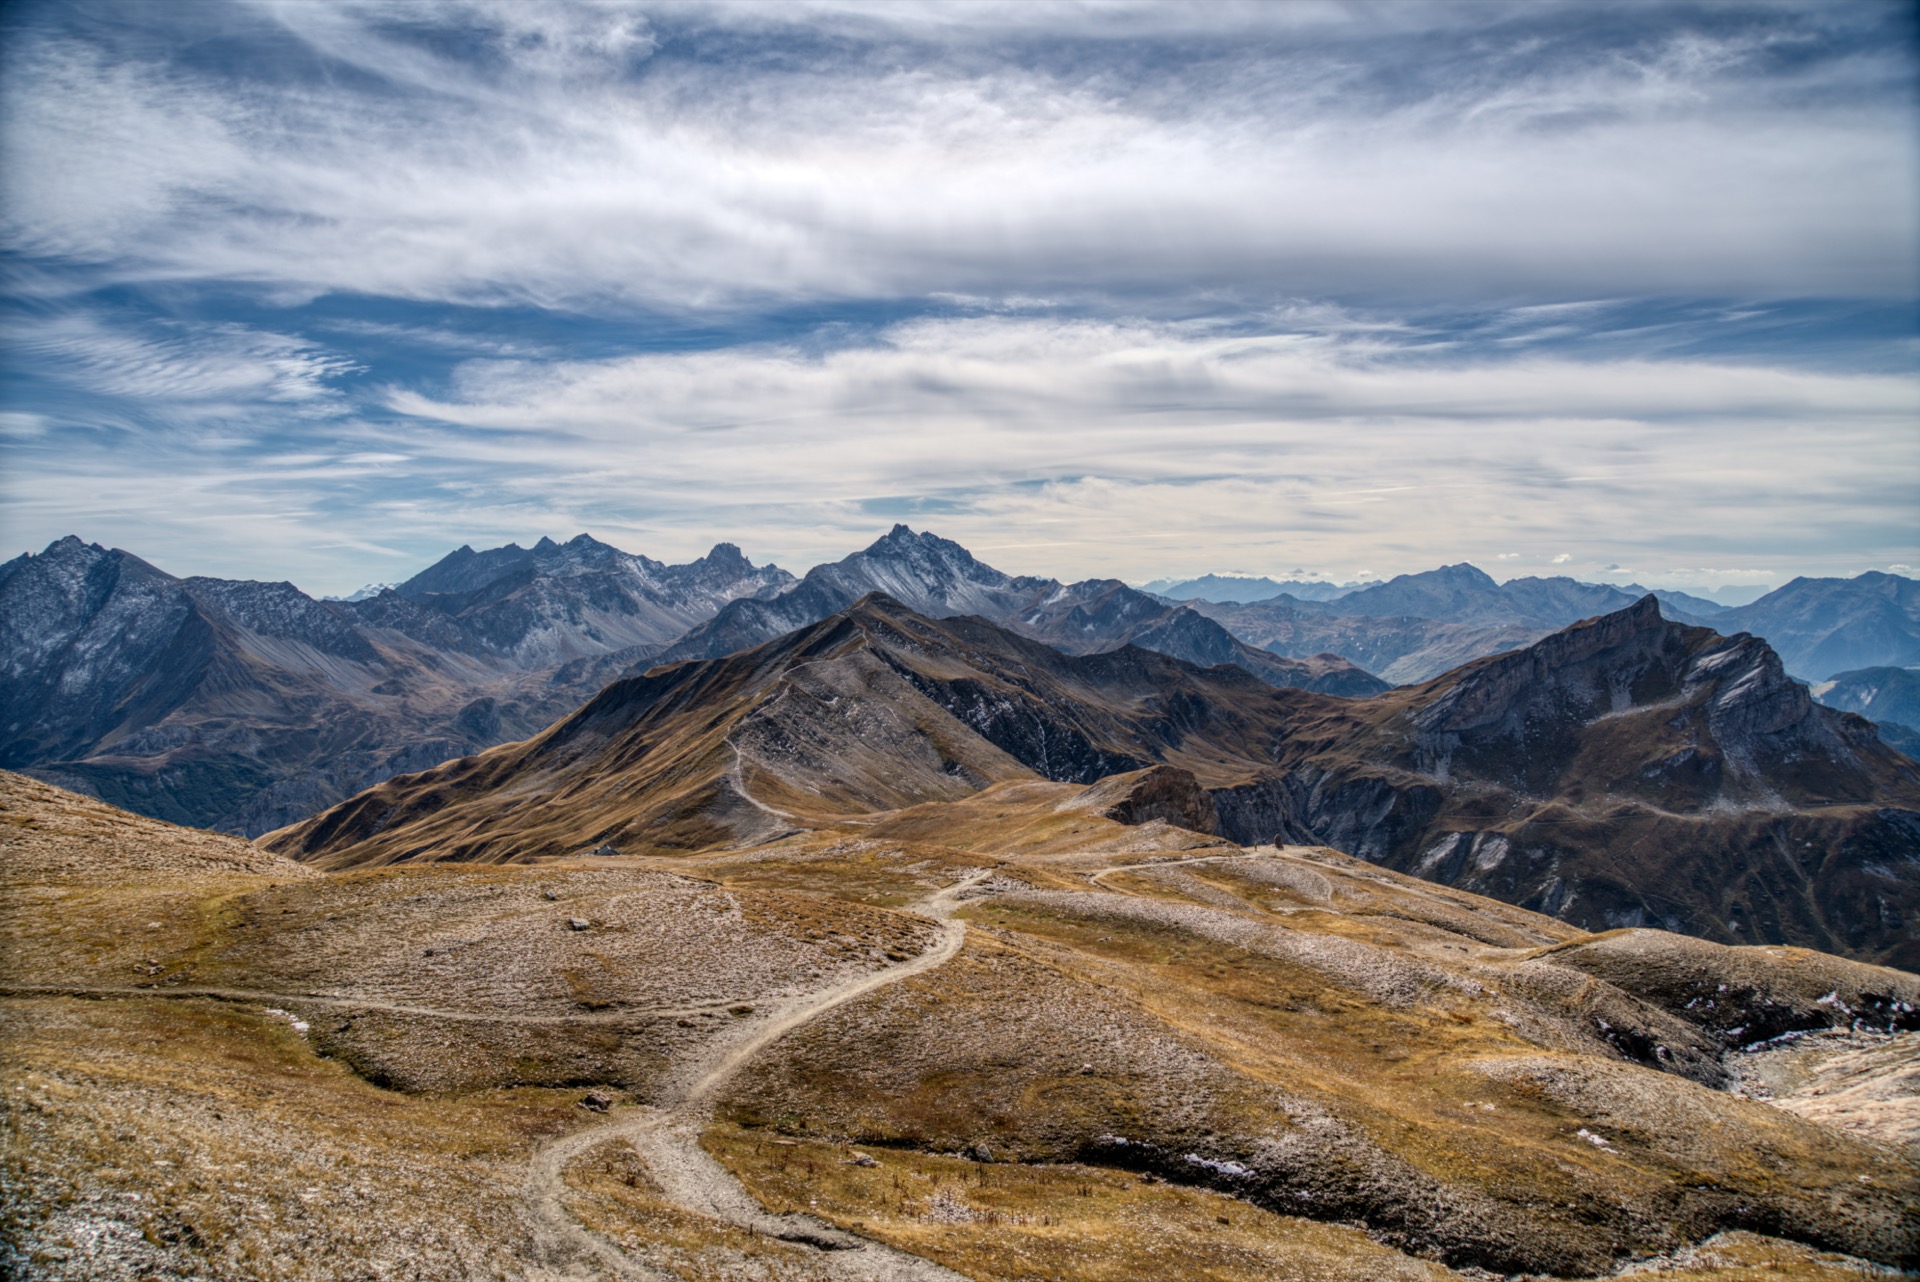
column 1157, row 1054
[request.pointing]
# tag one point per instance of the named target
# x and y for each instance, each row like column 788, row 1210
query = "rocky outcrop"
column 1748, row 995
column 1372, row 816
column 1165, row 793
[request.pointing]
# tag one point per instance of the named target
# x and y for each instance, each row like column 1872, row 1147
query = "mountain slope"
column 872, row 709
column 1006, row 1035
column 1888, row 697
column 244, row 705
column 940, row 579
column 1625, row 771
column 1825, row 626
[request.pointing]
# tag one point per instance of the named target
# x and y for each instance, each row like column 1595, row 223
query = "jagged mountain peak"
column 925, row 548
column 1595, row 661
column 939, row 578
column 933, row 575
column 242, row 704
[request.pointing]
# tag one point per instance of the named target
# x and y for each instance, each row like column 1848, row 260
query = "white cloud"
column 176, row 364
column 1073, row 448
column 540, row 172
column 1057, row 175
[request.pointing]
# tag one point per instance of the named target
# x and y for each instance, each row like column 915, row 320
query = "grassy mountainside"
column 1000, row 1037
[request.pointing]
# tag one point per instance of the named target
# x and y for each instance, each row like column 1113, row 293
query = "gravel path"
column 668, row 1141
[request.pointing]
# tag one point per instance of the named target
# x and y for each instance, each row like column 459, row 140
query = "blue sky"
column 321, row 291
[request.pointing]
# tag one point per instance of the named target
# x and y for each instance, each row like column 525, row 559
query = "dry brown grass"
column 147, row 1136
column 848, row 865
column 1298, row 1042
column 1011, row 1223
column 1324, row 1055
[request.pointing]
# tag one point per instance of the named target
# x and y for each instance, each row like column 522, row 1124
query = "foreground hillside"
column 1001, row 1037
column 1625, row 771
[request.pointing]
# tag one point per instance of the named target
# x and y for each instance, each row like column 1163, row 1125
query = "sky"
column 306, row 291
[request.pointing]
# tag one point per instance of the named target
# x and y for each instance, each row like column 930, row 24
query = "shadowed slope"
column 1625, row 771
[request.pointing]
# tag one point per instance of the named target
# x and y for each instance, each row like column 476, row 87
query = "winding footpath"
column 667, row 1140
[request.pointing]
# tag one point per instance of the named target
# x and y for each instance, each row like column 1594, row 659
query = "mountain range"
column 1890, row 697
column 1417, row 626
column 1248, row 587
column 1020, row 929
column 244, row 705
column 1625, row 771
column 940, row 579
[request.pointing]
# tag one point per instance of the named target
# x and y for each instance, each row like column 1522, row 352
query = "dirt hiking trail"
column 667, row 1140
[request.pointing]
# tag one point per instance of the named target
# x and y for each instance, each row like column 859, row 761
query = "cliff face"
column 1625, row 771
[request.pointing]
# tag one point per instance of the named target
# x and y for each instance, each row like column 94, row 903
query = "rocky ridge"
column 940, row 579
column 1626, row 771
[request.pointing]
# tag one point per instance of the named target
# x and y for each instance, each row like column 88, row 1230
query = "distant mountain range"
column 245, row 706
column 1416, row 626
column 1247, row 588
column 1626, row 771
column 242, row 705
column 1823, row 627
column 940, row 579
column 1244, row 589
column 1890, row 697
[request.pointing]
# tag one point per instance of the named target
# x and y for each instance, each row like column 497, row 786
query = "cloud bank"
column 1118, row 288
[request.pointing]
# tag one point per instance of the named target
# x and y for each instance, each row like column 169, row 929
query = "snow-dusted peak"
column 926, row 572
